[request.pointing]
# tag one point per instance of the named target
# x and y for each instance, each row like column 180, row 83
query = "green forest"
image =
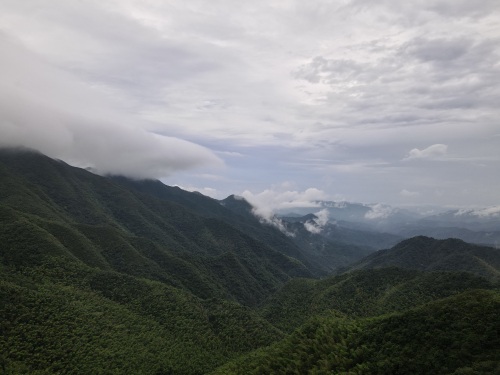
column 106, row 275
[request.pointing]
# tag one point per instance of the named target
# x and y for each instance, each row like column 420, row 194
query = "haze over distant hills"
column 481, row 226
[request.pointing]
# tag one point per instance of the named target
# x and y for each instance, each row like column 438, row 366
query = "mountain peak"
column 429, row 254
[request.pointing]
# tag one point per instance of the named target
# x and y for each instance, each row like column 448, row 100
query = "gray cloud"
column 441, row 50
column 321, row 93
column 50, row 110
column 433, row 152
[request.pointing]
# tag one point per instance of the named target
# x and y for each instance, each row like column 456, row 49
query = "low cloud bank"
column 50, row 110
column 433, row 152
column 266, row 203
column 379, row 211
column 316, row 225
column 488, row 212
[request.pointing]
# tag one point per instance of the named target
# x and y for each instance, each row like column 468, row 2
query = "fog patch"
column 317, row 224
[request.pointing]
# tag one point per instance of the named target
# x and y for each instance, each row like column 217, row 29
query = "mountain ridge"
column 426, row 253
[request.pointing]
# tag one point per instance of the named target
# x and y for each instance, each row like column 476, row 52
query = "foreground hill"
column 364, row 293
column 457, row 335
column 75, row 319
column 425, row 253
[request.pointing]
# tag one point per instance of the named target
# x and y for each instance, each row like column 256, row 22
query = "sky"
column 282, row 102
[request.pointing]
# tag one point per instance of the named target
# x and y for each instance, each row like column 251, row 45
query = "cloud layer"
column 362, row 99
column 433, row 152
column 52, row 111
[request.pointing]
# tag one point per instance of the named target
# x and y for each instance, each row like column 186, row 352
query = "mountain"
column 332, row 253
column 96, row 277
column 48, row 209
column 339, row 233
column 479, row 226
column 322, row 254
column 104, row 274
column 429, row 254
column 491, row 238
column 486, row 219
column 238, row 213
column 369, row 217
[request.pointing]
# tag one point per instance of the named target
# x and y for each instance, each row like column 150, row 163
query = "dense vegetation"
column 364, row 293
column 48, row 209
column 105, row 322
column 106, row 275
column 458, row 335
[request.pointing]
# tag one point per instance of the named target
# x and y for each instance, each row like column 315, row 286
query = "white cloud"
column 317, row 224
column 379, row 211
column 436, row 151
column 483, row 212
column 267, row 202
column 490, row 211
column 270, row 200
column 354, row 84
column 408, row 193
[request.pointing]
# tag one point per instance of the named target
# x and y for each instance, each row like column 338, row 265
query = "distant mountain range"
column 481, row 226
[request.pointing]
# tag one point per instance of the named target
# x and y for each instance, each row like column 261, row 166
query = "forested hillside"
column 50, row 209
column 363, row 294
column 98, row 279
column 107, row 275
column 457, row 335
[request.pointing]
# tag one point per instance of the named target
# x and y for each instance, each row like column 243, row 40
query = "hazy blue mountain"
column 429, row 254
column 491, row 238
column 377, row 216
column 337, row 232
column 486, row 219
column 324, row 254
column 480, row 226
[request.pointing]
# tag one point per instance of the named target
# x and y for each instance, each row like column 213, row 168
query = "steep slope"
column 95, row 279
column 232, row 211
column 50, row 209
column 457, row 335
column 424, row 253
column 324, row 254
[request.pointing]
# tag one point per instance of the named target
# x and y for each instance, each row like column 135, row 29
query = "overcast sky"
column 368, row 101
